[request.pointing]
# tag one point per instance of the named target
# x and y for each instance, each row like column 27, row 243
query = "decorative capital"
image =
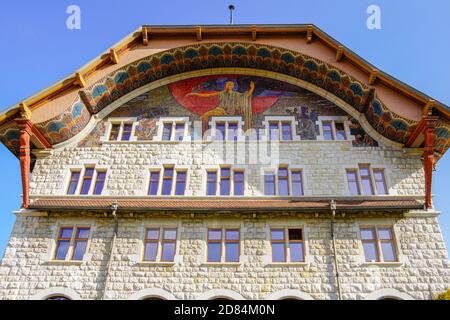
column 25, row 112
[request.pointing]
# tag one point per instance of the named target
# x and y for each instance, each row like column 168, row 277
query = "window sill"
column 64, row 262
column 156, row 263
column 221, row 264
column 382, row 264
column 287, row 264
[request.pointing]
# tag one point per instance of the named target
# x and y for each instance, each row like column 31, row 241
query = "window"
column 173, row 129
column 168, row 187
column 378, row 244
column 71, row 245
column 364, row 180
column 227, row 181
column 287, row 245
column 280, row 130
column 87, row 187
column 232, row 131
column 229, row 243
column 334, row 128
column 226, row 128
column 220, row 131
column 120, row 131
column 156, row 238
column 286, row 182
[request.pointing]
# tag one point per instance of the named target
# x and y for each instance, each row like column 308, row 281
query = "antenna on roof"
column 231, row 7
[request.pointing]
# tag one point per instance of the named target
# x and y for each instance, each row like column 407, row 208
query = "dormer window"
column 280, row 128
column 121, row 129
column 173, row 129
column 334, row 128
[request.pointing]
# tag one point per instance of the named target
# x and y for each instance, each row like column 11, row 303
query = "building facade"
column 226, row 162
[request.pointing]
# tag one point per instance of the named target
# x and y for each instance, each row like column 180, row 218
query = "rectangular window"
column 327, row 130
column 180, row 186
column 238, row 183
column 369, row 243
column 151, row 244
column 63, row 243
column 87, row 180
column 296, row 249
column 214, row 245
column 225, row 181
column 231, row 245
column 80, row 243
column 283, row 182
column 69, row 241
column 179, row 132
column 297, row 183
column 167, row 181
column 220, row 131
column 274, row 131
column 73, row 184
column 167, row 131
column 99, row 182
column 366, row 180
column 286, row 131
column 278, row 245
column 126, row 132
column 353, row 183
column 168, row 244
column 114, row 134
column 380, row 182
column 211, row 183
column 269, row 184
column 386, row 238
column 232, row 131
column 154, row 183
column 340, row 131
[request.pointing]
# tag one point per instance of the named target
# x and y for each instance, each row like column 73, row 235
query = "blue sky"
column 38, row 49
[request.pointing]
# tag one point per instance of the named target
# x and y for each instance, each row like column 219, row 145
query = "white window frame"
column 290, row 168
column 82, row 170
column 212, row 128
column 278, row 224
column 121, row 121
column 372, row 179
column 160, row 169
column 174, row 121
column 333, row 120
column 268, row 119
column 232, row 168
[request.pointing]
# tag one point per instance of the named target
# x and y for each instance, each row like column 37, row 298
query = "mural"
column 249, row 97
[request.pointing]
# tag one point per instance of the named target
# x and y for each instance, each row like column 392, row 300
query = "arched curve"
column 152, row 293
column 388, row 293
column 220, row 294
column 239, row 71
column 289, row 294
column 57, row 291
column 335, row 84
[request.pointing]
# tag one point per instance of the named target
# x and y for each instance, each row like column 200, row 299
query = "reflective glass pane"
column 367, row 234
column 168, row 251
column 126, row 133
column 181, row 183
column 283, row 187
column 388, row 250
column 82, row 233
column 214, row 252
column 384, row 234
column 269, row 184
column 295, row 234
column 98, row 188
column 352, row 183
column 278, row 252
column 220, row 131
column 297, row 187
column 286, row 131
column 277, row 234
column 179, row 132
column 232, row 252
column 167, row 181
column 211, row 183
column 327, row 131
column 62, row 249
column 273, row 131
column 150, row 251
column 366, row 185
column 225, row 187
column 340, row 131
column 167, row 131
column 73, row 183
column 152, row 234
column 170, row 234
column 79, row 250
column 296, row 251
column 215, row 234
column 231, row 234
column 370, row 251
column 114, row 132
column 66, row 233
column 238, row 183
column 154, row 182
column 232, row 131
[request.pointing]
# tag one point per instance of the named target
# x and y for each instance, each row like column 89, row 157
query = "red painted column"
column 428, row 161
column 24, row 139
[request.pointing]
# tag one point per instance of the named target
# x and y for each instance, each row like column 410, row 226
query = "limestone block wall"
column 27, row 267
column 323, row 163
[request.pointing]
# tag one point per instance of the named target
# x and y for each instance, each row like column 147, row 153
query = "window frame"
column 372, row 170
column 121, row 121
column 173, row 121
column 174, row 180
column 333, row 120
column 72, row 240
column 159, row 243
column 226, row 120
column 286, row 241
column 378, row 241
column 223, row 243
column 82, row 175
column 231, row 179
column 280, row 120
column 275, row 171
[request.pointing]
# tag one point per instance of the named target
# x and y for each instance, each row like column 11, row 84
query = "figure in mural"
column 231, row 103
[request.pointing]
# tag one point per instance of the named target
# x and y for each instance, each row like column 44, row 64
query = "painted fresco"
column 249, row 97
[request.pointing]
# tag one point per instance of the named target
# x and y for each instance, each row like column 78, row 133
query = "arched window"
column 289, row 294
column 220, row 294
column 388, row 294
column 58, row 298
column 58, row 293
column 152, row 294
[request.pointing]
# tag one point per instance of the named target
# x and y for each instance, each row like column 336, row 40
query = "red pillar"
column 428, row 161
column 24, row 139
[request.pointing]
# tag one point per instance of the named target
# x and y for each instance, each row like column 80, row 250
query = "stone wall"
column 27, row 267
column 323, row 164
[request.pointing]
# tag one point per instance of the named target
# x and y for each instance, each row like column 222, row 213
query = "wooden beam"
column 79, row 80
column 113, row 56
column 309, row 34
column 253, row 33
column 198, row 33
column 373, row 76
column 144, row 36
column 339, row 53
column 24, row 156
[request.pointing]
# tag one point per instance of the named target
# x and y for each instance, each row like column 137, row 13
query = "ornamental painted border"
column 222, row 55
